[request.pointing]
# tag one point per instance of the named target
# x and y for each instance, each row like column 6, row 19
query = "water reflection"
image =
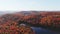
column 40, row 30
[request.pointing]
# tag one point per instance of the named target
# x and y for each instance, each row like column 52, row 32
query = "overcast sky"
column 18, row 5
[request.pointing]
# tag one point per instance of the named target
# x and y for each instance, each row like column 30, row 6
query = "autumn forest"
column 10, row 23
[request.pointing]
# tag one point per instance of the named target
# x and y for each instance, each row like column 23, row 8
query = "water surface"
column 40, row 30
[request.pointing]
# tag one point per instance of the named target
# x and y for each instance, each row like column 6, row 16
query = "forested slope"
column 33, row 18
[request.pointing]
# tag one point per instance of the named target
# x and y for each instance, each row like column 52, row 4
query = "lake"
column 39, row 30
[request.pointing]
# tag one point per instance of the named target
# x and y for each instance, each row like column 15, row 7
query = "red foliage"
column 35, row 18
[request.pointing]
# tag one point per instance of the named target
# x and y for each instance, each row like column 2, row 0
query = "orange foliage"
column 34, row 18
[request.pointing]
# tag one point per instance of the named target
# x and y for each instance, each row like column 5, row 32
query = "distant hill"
column 5, row 12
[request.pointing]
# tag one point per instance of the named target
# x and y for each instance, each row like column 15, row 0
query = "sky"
column 21, row 5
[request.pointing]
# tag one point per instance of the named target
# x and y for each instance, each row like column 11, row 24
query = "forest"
column 11, row 22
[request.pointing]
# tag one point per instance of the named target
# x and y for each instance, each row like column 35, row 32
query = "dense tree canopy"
column 34, row 18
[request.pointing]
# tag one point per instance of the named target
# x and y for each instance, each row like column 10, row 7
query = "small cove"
column 39, row 30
